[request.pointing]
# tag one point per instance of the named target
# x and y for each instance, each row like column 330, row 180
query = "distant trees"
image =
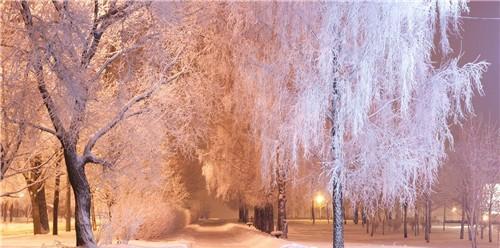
column 473, row 173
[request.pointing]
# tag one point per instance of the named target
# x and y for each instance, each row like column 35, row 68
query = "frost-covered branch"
column 115, row 56
column 38, row 67
column 101, row 23
column 122, row 113
column 93, row 159
column 36, row 126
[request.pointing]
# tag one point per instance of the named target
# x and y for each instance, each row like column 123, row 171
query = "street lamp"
column 319, row 199
column 485, row 218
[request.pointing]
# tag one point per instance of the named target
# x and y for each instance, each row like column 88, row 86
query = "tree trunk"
column 243, row 213
column 39, row 209
column 416, row 222
column 11, row 212
column 338, row 222
column 383, row 225
column 427, row 220
column 312, row 211
column 281, row 211
column 68, row 205
column 469, row 234
column 490, row 237
column 240, row 213
column 363, row 216
column 355, row 217
column 444, row 217
column 55, row 212
column 271, row 217
column 281, row 204
column 462, row 220
column 36, row 190
column 473, row 229
column 264, row 218
column 81, row 190
column 373, row 227
column 4, row 211
column 405, row 220
column 256, row 217
column 430, row 215
column 42, row 207
column 327, row 212
column 92, row 211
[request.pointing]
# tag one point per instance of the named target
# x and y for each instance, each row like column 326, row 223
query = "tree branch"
column 56, row 154
column 41, row 128
column 122, row 113
column 8, row 153
column 111, row 59
column 61, row 8
column 90, row 158
column 101, row 23
column 11, row 193
column 38, row 67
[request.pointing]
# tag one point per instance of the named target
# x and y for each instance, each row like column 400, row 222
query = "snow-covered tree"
column 389, row 106
column 68, row 47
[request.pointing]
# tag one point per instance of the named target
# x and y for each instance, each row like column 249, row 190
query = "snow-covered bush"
column 145, row 208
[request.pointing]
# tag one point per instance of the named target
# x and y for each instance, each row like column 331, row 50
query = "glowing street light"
column 454, row 210
column 319, row 199
column 485, row 217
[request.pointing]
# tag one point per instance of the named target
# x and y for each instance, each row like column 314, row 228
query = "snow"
column 302, row 234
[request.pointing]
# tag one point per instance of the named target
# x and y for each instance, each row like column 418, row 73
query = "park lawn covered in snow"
column 320, row 235
column 302, row 233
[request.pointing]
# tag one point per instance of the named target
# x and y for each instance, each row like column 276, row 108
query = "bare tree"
column 492, row 202
column 476, row 159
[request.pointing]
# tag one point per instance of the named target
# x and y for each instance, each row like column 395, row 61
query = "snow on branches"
column 390, row 107
column 349, row 84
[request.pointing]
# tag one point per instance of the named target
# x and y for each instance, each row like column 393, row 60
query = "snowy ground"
column 221, row 234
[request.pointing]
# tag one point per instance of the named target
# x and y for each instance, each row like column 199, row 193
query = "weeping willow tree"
column 388, row 105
